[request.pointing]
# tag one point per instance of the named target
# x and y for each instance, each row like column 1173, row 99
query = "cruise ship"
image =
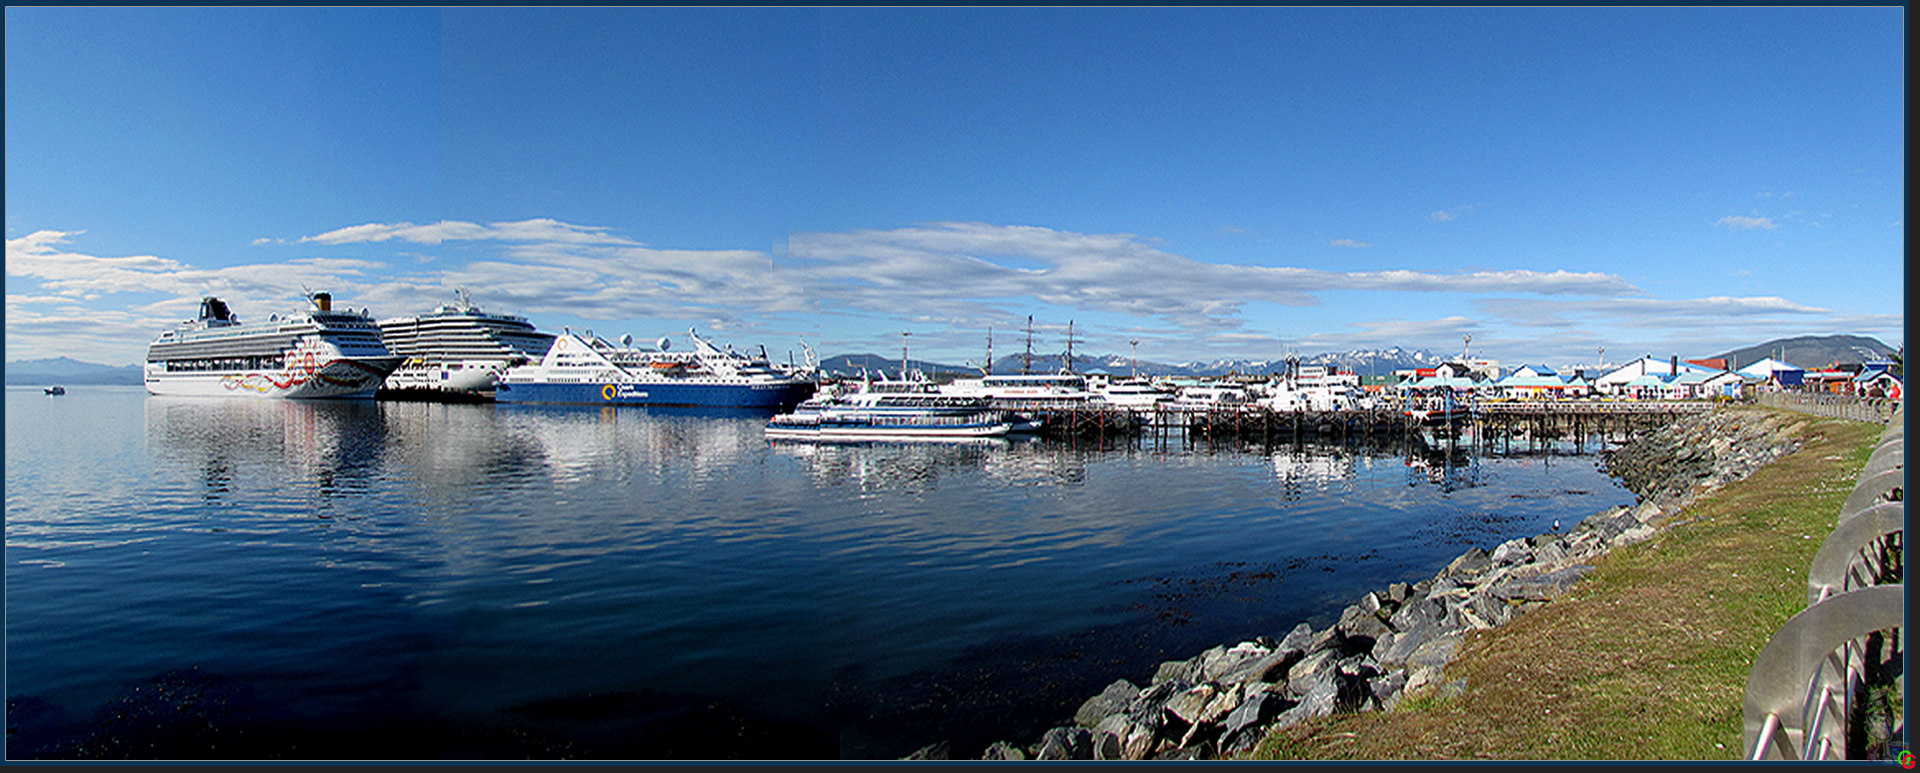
column 458, row 349
column 581, row 368
column 321, row 353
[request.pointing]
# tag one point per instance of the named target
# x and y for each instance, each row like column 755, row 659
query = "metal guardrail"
column 1879, row 410
column 1800, row 693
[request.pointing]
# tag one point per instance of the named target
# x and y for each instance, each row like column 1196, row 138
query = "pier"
column 1491, row 420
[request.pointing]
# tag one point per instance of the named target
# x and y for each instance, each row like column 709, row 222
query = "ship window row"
column 223, row 364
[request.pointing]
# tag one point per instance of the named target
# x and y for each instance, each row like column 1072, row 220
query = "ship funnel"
column 323, row 301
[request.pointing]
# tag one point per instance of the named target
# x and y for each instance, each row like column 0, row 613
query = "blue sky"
column 1234, row 182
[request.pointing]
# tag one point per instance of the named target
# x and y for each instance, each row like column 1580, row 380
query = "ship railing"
column 1801, row 694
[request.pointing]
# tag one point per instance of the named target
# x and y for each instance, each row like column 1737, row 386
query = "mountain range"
column 1804, row 351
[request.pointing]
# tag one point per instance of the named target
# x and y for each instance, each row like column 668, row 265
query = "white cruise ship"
column 459, row 349
column 318, row 354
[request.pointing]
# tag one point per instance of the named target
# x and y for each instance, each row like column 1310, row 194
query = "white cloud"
column 1449, row 215
column 1348, row 243
column 1738, row 223
column 536, row 230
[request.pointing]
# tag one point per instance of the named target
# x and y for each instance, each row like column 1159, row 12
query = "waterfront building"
column 1776, row 374
column 1622, row 378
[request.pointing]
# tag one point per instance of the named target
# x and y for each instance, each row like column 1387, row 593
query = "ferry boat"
column 1138, row 395
column 1287, row 396
column 458, row 349
column 581, row 368
column 892, row 410
column 1213, row 396
column 321, row 353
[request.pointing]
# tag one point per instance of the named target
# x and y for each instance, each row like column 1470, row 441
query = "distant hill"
column 1812, row 351
column 65, row 370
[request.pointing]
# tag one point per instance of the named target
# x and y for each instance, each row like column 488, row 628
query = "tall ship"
column 321, row 353
column 458, row 349
column 582, row 368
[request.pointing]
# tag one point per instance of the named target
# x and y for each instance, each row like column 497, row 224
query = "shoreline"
column 1396, row 642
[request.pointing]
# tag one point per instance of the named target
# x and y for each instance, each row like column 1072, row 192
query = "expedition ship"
column 457, row 350
column 585, row 369
column 319, row 354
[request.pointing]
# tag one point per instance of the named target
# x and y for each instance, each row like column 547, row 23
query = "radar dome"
column 664, row 343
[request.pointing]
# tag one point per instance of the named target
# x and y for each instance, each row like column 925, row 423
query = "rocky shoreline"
column 1395, row 642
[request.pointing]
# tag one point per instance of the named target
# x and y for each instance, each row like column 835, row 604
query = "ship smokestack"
column 324, row 301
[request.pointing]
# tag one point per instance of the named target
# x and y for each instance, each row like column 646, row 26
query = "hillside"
column 66, row 370
column 1812, row 351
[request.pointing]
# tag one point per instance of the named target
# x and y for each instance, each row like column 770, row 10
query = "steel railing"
column 1879, row 410
column 1800, row 694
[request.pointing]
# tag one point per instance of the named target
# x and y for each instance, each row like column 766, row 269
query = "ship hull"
column 775, row 396
column 335, row 379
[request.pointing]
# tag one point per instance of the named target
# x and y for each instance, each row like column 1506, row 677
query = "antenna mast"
column 1026, row 361
column 987, row 370
column 1069, row 367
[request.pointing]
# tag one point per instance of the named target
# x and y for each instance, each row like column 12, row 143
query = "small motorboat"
column 56, row 390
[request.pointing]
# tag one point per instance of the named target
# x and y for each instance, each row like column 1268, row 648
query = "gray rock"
column 1540, row 587
column 1191, row 706
column 935, row 751
column 1301, row 638
column 1065, row 743
column 1416, row 613
column 1470, row 563
column 1001, row 750
column 1513, row 551
column 1357, row 623
column 1177, row 671
column 1406, row 642
column 1220, row 661
column 1399, row 592
column 1110, row 738
column 1112, row 700
column 1271, row 667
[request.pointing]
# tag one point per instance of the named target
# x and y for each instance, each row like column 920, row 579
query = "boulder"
column 1001, row 750
column 1271, row 667
column 1113, row 700
column 1065, row 743
column 1360, row 628
column 1540, row 587
column 1470, row 563
column 936, row 751
column 1177, row 671
column 1220, row 661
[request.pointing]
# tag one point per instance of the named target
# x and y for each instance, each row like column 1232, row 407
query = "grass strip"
column 1646, row 659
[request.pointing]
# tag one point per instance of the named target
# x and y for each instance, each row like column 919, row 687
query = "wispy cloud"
column 1450, row 215
column 963, row 276
column 1348, row 243
column 80, row 276
column 1118, row 273
column 1738, row 223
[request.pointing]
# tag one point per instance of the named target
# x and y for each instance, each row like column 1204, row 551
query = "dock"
column 1535, row 420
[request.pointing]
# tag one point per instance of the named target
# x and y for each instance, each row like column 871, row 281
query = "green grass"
column 1648, row 657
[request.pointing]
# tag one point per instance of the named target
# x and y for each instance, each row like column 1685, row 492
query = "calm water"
column 618, row 582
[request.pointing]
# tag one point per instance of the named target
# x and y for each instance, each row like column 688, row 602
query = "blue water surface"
column 417, row 580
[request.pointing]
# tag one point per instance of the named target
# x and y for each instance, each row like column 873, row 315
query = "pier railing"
column 1801, row 694
column 1878, row 410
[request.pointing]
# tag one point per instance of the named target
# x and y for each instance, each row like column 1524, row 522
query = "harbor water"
column 374, row 580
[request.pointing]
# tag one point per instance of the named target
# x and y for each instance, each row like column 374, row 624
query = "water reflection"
column 327, row 450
